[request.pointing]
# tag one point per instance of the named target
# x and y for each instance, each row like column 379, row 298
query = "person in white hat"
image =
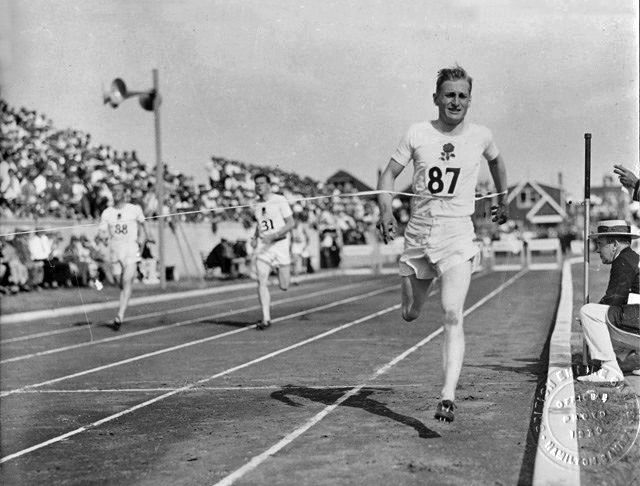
column 613, row 321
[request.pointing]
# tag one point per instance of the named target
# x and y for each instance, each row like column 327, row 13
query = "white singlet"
column 270, row 216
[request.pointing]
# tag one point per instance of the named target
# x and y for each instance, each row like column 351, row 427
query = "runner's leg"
column 284, row 276
column 263, row 269
column 414, row 294
column 128, row 276
column 455, row 284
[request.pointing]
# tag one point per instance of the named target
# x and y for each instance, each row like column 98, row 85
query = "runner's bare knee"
column 452, row 317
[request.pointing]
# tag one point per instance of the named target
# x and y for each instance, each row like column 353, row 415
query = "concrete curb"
column 20, row 317
column 548, row 470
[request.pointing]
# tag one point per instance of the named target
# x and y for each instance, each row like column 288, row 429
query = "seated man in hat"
column 614, row 321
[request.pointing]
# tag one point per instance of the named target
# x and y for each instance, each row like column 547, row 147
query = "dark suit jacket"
column 623, row 279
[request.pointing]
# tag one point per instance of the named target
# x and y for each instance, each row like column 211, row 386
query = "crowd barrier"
column 534, row 254
column 187, row 242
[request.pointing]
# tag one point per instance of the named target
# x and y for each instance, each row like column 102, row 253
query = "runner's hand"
column 388, row 227
column 499, row 213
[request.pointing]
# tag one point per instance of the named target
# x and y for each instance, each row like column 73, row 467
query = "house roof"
column 343, row 176
column 547, row 209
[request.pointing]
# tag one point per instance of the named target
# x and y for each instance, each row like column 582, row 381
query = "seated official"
column 614, row 322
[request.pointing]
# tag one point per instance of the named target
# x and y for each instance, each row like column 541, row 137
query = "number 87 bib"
column 441, row 182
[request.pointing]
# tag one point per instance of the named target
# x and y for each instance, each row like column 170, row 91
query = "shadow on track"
column 329, row 396
column 219, row 322
column 530, row 367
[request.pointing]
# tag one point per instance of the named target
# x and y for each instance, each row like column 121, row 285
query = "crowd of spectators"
column 39, row 260
column 49, row 172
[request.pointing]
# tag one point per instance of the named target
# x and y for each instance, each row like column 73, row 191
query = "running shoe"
column 262, row 325
column 606, row 374
column 444, row 411
column 117, row 322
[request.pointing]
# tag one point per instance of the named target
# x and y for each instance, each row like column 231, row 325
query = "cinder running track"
column 338, row 391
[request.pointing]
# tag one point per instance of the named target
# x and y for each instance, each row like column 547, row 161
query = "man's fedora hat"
column 614, row 227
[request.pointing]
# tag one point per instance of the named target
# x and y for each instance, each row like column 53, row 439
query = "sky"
column 318, row 86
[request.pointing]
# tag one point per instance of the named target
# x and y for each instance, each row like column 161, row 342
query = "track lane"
column 327, row 317
column 11, row 352
column 131, row 346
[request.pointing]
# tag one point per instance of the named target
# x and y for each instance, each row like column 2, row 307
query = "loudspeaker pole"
column 159, row 181
column 149, row 101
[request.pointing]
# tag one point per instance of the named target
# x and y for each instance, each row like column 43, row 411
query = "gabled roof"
column 343, row 176
column 546, row 209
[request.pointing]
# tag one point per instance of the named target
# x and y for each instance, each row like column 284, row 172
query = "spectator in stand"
column 104, row 197
column 100, row 253
column 4, row 272
column 16, row 274
column 150, row 201
column 83, row 267
column 299, row 248
column 11, row 188
column 36, row 270
column 40, row 252
column 79, row 198
column 213, row 171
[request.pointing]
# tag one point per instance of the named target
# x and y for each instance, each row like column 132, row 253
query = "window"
column 528, row 197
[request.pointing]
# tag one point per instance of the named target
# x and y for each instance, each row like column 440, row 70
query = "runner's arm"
column 387, row 223
column 498, row 172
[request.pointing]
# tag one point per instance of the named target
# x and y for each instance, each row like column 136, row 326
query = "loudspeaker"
column 117, row 94
column 148, row 100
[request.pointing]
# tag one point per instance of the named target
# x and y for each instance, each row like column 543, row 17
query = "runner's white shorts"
column 435, row 245
column 123, row 256
column 275, row 254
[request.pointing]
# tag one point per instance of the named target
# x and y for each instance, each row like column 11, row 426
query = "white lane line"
column 90, row 391
column 193, row 343
column 21, row 317
column 129, row 319
column 149, row 315
column 223, row 373
column 170, row 326
column 260, row 458
column 199, row 382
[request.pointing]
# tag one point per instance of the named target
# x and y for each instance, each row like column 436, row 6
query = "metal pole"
column 159, row 180
column 587, row 207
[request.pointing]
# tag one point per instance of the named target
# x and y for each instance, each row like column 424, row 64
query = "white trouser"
column 601, row 335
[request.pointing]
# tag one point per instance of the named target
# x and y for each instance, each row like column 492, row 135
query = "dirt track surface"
column 305, row 400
